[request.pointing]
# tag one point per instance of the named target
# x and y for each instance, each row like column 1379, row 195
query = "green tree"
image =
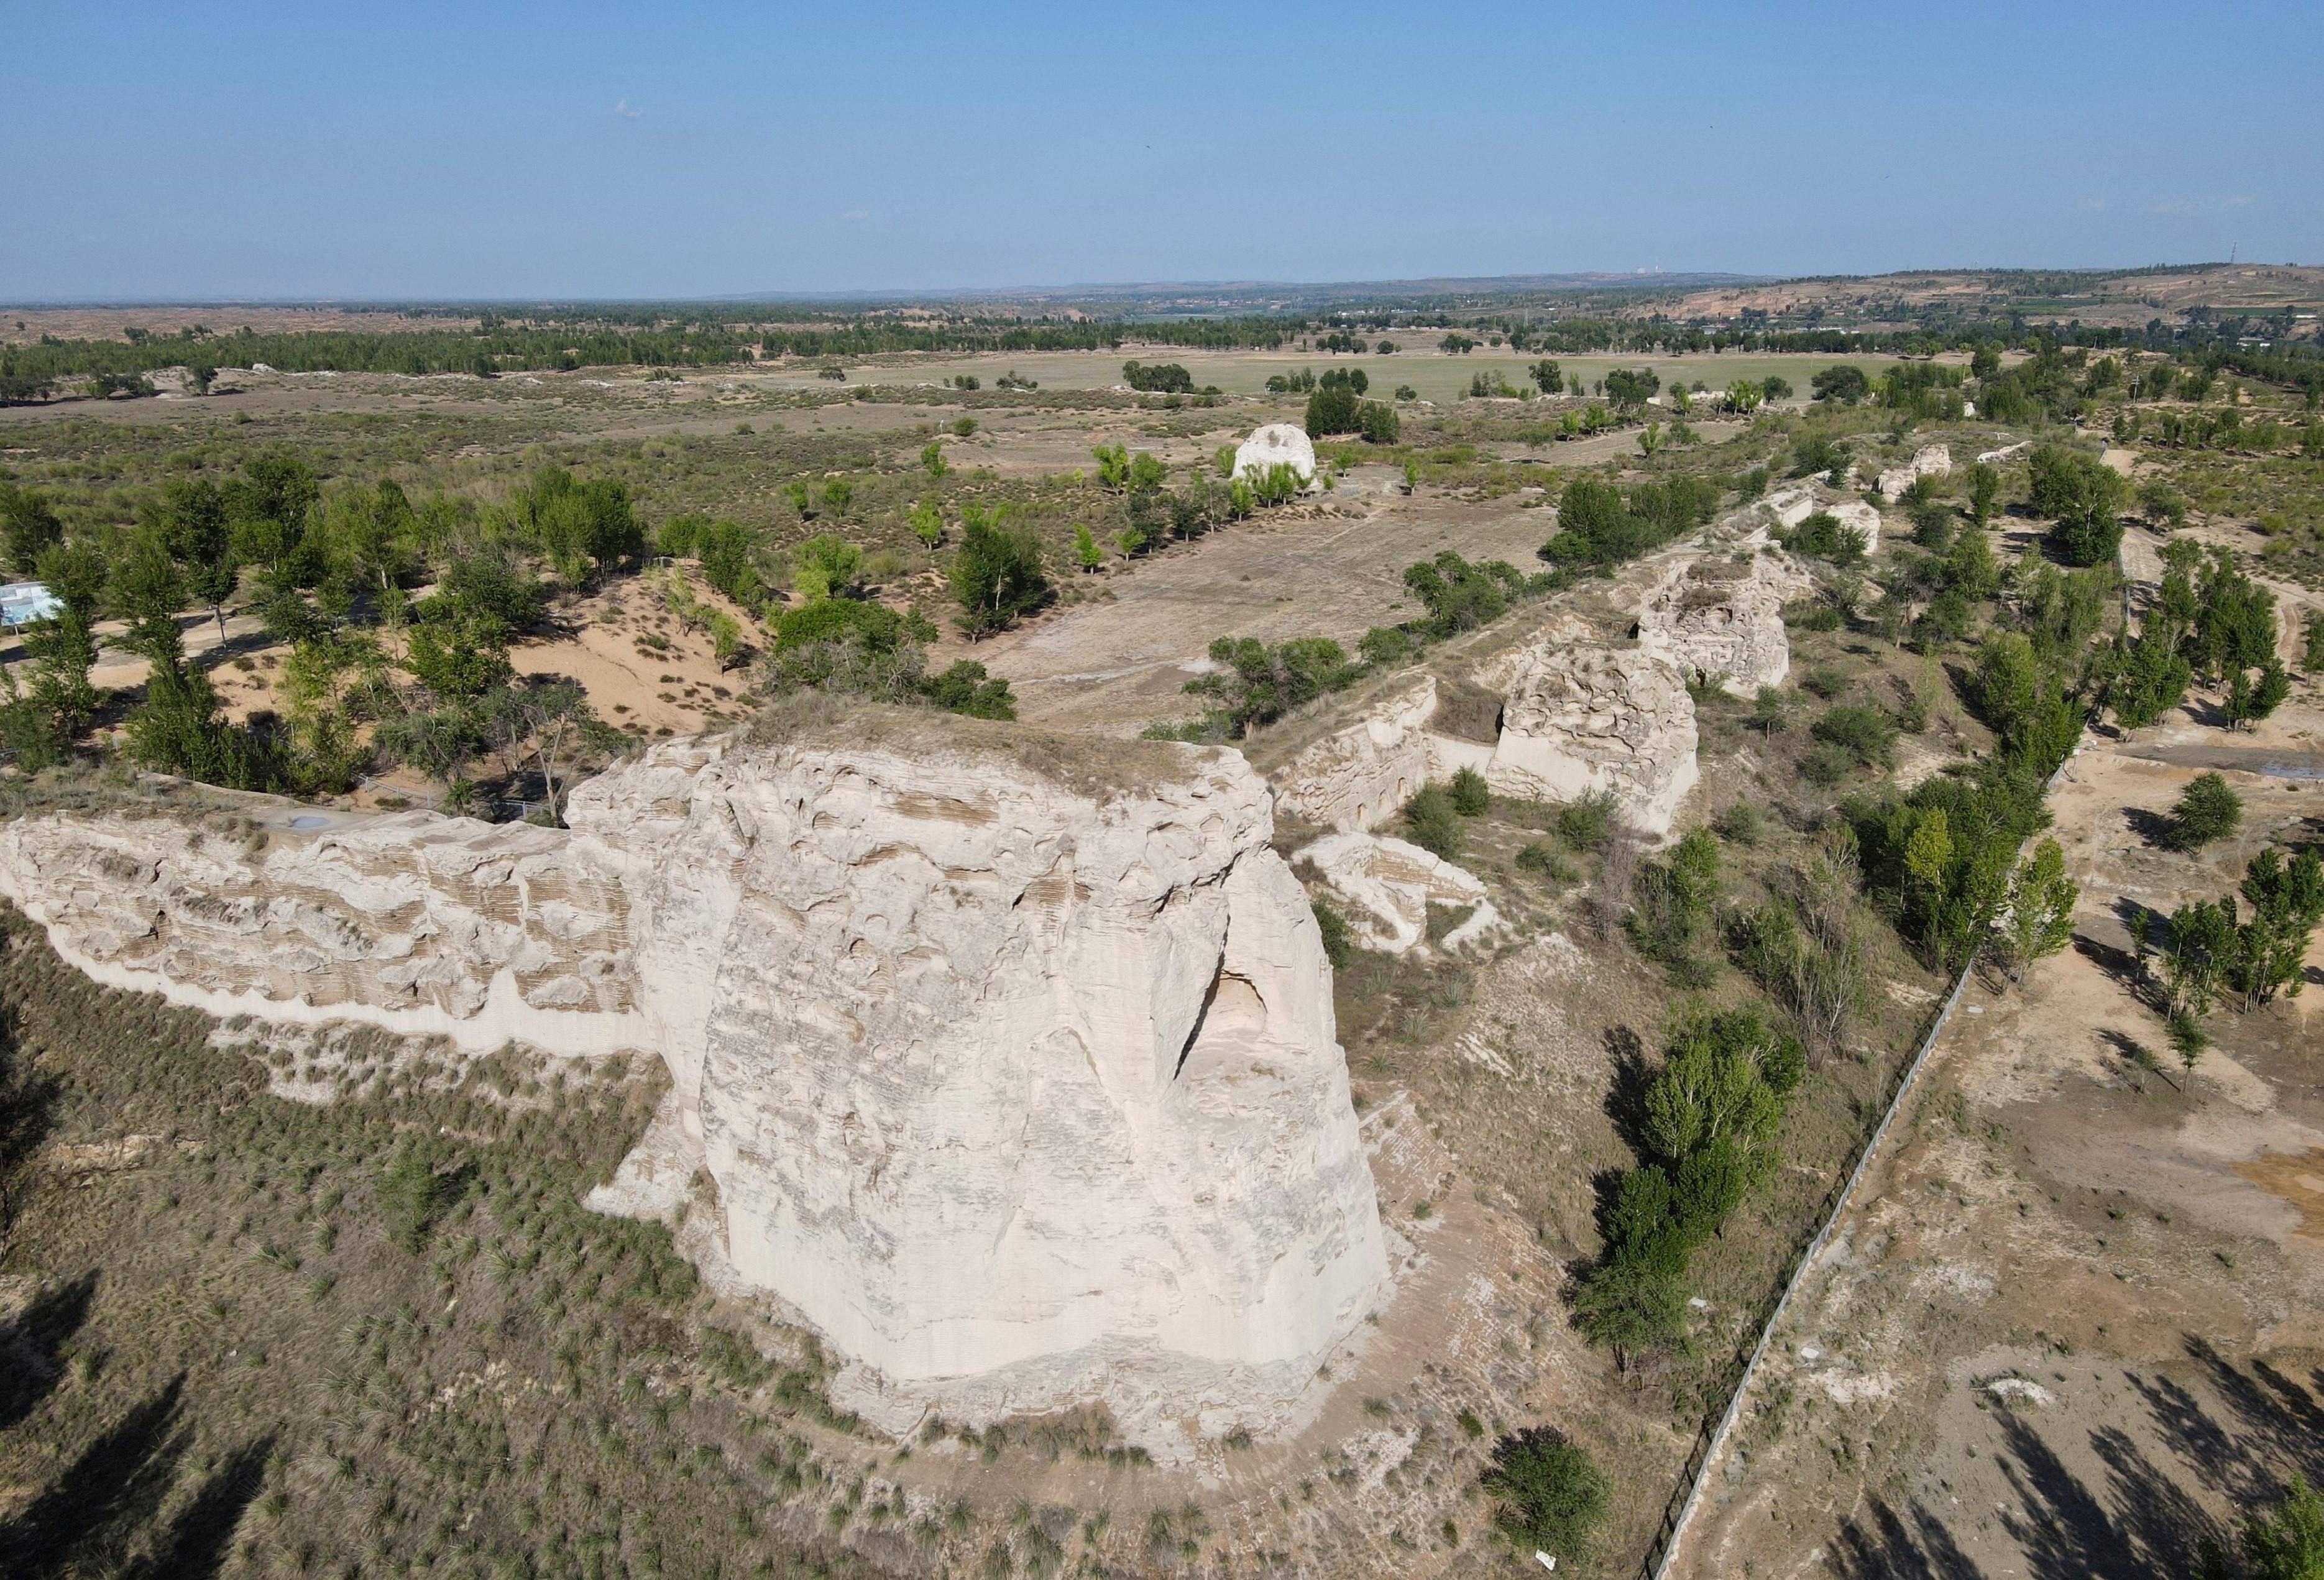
column 146, row 591
column 1088, row 553
column 2039, row 918
column 1431, row 823
column 29, row 527
column 1677, row 900
column 458, row 658
column 1332, row 409
column 1842, row 382
column 1461, row 596
column 1547, row 377
column 586, row 527
column 1257, row 683
column 825, row 566
column 1984, row 492
column 2208, row 809
column 928, row 523
column 932, row 458
column 2081, row 495
column 2199, row 948
column 1629, row 388
column 2287, row 1542
column 1471, row 797
column 2248, row 701
column 2287, row 901
column 270, row 503
column 63, row 648
column 996, row 574
column 1548, row 1493
column 200, row 540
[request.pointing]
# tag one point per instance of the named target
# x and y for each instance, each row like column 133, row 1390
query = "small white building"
column 24, row 601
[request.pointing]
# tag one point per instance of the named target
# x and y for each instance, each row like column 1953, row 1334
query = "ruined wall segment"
column 1020, row 1085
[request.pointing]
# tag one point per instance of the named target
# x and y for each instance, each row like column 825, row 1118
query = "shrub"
column 1824, row 681
column 1866, row 734
column 1339, row 937
column 1431, row 823
column 413, row 1193
column 2209, row 810
column 1541, row 857
column 1672, row 923
column 1587, row 822
column 1551, row 1494
column 1471, row 796
column 1824, row 536
column 1827, row 764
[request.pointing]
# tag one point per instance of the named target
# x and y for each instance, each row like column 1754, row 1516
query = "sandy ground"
column 2073, row 1320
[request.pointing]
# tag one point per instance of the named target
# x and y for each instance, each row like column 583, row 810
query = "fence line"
column 1664, row 1550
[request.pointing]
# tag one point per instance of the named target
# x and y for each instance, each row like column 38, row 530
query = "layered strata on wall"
column 1583, row 715
column 1722, row 618
column 1021, row 1087
column 1358, row 775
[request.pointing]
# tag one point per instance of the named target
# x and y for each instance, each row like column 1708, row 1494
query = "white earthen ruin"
column 1276, row 444
column 1723, row 618
column 1021, row 1087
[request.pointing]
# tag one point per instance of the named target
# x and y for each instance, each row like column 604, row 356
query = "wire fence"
column 1688, row 1494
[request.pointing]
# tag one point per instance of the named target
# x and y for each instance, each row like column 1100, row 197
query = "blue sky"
column 421, row 150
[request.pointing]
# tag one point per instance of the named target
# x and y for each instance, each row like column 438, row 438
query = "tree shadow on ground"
column 1626, row 1095
column 31, row 1345
column 104, row 1513
column 2239, row 1438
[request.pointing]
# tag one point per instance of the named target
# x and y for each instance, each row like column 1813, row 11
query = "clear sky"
column 255, row 150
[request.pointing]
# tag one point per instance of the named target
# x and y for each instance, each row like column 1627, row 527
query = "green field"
column 1433, row 375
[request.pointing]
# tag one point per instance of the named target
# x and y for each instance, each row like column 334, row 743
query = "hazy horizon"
column 534, row 153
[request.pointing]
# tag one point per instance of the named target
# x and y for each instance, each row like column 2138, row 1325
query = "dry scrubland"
column 245, row 1341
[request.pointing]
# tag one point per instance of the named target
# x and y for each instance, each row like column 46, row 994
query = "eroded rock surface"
column 1792, row 505
column 1722, row 618
column 1022, row 1087
column 1930, row 460
column 1578, row 712
column 1582, row 714
column 1360, row 774
column 1276, row 444
column 1391, row 883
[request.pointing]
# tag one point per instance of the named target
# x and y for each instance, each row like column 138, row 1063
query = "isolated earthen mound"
column 1276, row 444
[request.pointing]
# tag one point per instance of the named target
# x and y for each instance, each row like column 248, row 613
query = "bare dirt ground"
column 2073, row 1321
column 1119, row 662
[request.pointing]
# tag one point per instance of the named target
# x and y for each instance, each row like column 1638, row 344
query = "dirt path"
column 2074, row 1312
